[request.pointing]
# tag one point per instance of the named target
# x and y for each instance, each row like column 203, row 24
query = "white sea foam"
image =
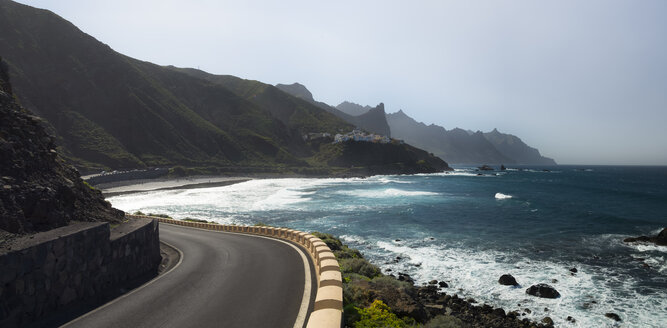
column 353, row 239
column 454, row 174
column 540, row 171
column 502, row 196
column 586, row 296
column 655, row 256
column 647, row 247
column 385, row 193
column 386, row 179
column 237, row 202
column 253, row 195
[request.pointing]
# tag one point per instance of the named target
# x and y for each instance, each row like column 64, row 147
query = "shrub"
column 386, row 282
column 198, row 220
column 356, row 290
column 378, row 315
column 331, row 241
column 359, row 266
column 164, row 216
column 85, row 183
column 351, row 315
column 347, row 253
column 178, row 171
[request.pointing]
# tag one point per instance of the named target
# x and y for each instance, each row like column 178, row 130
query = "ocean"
column 535, row 223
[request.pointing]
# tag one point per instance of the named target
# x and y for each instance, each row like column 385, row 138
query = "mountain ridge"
column 352, row 108
column 109, row 111
column 372, row 120
column 460, row 146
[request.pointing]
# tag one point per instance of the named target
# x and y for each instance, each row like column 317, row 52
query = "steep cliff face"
column 353, row 108
column 372, row 120
column 455, row 146
column 38, row 191
column 298, row 90
column 513, row 147
column 372, row 158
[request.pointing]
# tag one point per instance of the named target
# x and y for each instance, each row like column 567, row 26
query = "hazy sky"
column 583, row 81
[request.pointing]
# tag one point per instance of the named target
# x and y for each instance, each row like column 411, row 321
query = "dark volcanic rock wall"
column 82, row 264
column 38, row 191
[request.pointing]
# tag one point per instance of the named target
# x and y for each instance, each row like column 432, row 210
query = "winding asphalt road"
column 223, row 280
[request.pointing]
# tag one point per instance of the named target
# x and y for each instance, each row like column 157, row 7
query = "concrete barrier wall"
column 83, row 262
column 328, row 308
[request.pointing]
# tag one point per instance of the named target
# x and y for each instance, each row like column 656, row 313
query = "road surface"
column 223, row 280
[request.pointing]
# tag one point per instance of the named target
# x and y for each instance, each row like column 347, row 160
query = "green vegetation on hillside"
column 112, row 112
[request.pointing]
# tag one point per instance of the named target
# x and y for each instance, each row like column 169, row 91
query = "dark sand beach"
column 132, row 186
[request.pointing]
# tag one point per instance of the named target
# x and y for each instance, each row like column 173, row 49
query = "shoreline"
column 364, row 285
column 134, row 186
column 122, row 187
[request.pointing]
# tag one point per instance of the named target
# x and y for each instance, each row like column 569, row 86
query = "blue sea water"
column 466, row 229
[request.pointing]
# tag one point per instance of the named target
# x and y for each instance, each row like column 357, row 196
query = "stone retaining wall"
column 57, row 269
column 328, row 309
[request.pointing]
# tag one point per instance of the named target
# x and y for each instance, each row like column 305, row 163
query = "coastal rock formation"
column 425, row 304
column 660, row 239
column 613, row 316
column 374, row 158
column 507, row 280
column 38, row 191
column 514, row 148
column 543, row 290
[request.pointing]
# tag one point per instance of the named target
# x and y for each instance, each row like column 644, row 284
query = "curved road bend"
column 224, row 280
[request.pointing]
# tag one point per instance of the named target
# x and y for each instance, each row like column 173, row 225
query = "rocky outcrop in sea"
column 660, row 239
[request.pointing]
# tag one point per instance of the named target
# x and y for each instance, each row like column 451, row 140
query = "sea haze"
column 468, row 230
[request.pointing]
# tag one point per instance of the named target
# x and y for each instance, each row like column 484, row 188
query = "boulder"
column 611, row 315
column 443, row 284
column 543, row 290
column 548, row 321
column 405, row 277
column 485, row 168
column 574, row 270
column 661, row 239
column 507, row 280
column 643, row 239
